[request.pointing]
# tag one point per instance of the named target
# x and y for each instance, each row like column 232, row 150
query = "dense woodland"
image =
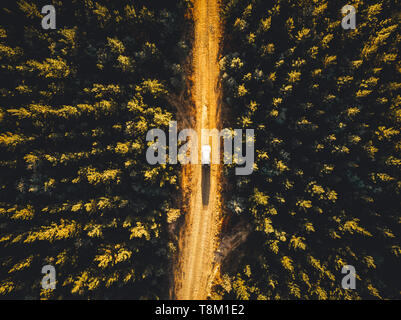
column 325, row 104
column 76, row 191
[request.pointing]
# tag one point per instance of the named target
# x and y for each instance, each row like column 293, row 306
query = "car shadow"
column 205, row 184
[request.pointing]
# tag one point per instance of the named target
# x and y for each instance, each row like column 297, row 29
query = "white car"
column 206, row 151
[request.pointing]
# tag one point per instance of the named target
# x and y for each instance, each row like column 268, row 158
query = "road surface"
column 199, row 236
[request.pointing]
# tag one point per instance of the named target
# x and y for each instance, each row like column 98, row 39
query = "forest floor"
column 198, row 240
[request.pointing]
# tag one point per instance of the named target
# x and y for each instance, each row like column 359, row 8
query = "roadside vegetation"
column 325, row 104
column 76, row 191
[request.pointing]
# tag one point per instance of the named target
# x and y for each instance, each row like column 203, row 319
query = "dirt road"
column 198, row 239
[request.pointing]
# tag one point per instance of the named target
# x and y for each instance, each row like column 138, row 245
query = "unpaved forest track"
column 199, row 236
